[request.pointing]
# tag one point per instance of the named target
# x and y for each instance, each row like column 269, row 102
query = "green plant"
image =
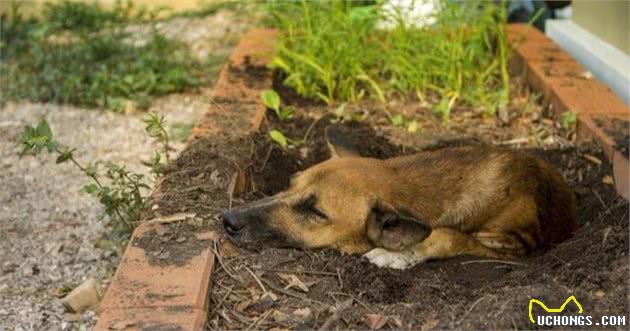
column 271, row 100
column 81, row 54
column 279, row 138
column 341, row 115
column 569, row 119
column 119, row 190
column 334, row 51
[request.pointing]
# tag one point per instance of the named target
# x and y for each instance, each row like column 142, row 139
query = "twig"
column 472, row 307
column 339, row 279
column 259, row 320
column 218, row 305
column 310, row 127
column 256, row 279
column 306, row 272
column 515, row 141
column 494, row 261
column 267, row 156
column 354, row 298
column 287, row 292
column 335, row 315
column 215, row 250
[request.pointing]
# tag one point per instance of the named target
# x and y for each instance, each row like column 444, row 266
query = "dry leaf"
column 293, row 282
column 375, row 321
column 429, row 324
column 608, row 180
column 121, row 325
column 303, row 312
column 279, row 316
column 228, row 249
column 83, row 297
column 172, row 218
column 241, row 306
column 210, row 235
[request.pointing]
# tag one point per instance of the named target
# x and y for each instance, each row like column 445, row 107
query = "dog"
column 475, row 200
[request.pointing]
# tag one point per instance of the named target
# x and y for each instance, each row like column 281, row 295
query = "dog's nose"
column 230, row 223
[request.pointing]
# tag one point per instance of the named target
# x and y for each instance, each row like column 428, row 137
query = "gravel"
column 49, row 229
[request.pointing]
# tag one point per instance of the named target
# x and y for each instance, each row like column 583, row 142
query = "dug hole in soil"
column 299, row 289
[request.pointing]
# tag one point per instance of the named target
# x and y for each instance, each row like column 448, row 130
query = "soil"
column 302, row 289
column 619, row 130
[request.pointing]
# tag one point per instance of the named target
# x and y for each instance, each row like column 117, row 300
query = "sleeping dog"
column 469, row 200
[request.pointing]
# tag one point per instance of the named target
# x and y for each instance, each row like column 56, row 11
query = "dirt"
column 301, row 289
column 619, row 130
column 172, row 244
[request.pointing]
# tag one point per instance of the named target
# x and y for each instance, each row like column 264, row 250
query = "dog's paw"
column 388, row 259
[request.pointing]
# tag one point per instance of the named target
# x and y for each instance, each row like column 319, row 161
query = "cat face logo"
column 553, row 310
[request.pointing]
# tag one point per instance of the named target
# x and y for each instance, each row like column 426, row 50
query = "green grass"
column 77, row 54
column 334, row 51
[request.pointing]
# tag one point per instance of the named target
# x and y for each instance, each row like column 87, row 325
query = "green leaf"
column 271, row 100
column 569, row 119
column 279, row 138
column 65, row 155
column 90, row 188
column 397, row 120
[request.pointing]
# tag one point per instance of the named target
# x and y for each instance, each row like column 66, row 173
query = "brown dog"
column 472, row 200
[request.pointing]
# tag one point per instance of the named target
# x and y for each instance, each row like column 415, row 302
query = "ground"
column 52, row 234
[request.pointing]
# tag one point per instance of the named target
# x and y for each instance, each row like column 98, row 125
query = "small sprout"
column 155, row 129
column 340, row 114
column 412, row 126
column 271, row 100
column 397, row 120
column 569, row 119
column 36, row 139
column 279, row 138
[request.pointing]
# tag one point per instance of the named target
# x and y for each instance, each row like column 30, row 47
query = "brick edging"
column 566, row 86
column 145, row 296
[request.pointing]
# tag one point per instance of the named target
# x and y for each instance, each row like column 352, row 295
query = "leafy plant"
column 335, row 51
column 271, row 100
column 569, row 119
column 119, row 190
column 81, row 54
column 279, row 138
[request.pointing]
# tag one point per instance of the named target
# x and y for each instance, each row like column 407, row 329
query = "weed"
column 80, row 54
column 569, row 119
column 118, row 189
column 279, row 138
column 271, row 100
column 334, row 51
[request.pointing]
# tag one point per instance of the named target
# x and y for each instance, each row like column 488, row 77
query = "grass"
column 80, row 54
column 334, row 51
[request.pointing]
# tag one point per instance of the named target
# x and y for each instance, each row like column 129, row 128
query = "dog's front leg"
column 441, row 243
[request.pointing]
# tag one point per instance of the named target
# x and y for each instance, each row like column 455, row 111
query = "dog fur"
column 470, row 200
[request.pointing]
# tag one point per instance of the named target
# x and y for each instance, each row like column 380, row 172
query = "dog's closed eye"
column 308, row 206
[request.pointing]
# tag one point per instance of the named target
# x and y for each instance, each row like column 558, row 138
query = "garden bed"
column 266, row 289
column 465, row 292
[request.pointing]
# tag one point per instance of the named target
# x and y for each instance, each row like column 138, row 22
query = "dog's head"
column 338, row 203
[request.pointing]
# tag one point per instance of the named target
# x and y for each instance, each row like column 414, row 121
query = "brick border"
column 565, row 86
column 144, row 296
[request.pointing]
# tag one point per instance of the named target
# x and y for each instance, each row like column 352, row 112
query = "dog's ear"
column 395, row 230
column 339, row 145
